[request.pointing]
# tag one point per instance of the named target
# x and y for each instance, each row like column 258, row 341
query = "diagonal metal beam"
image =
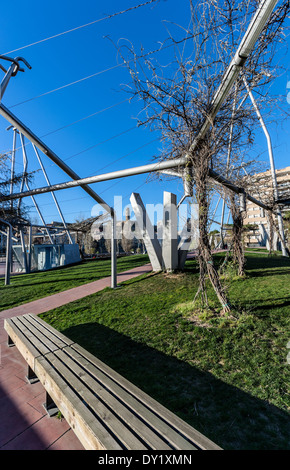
column 53, row 195
column 247, row 44
column 37, row 142
column 16, row 122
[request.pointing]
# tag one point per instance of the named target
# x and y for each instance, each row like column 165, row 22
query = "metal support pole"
column 247, row 43
column 53, row 195
column 8, row 251
column 29, row 247
column 13, row 164
column 5, row 81
column 8, row 255
column 24, row 251
column 272, row 165
column 182, row 200
column 23, row 173
column 213, row 216
column 25, row 164
column 222, row 223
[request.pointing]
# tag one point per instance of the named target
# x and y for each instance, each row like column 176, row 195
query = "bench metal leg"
column 50, row 406
column 31, row 377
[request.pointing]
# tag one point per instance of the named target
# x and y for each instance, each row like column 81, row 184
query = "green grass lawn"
column 28, row 287
column 226, row 375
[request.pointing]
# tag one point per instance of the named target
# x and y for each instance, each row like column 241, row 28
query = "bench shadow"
column 16, row 432
column 225, row 414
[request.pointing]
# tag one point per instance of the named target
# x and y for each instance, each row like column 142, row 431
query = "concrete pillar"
column 147, row 231
column 169, row 241
column 113, row 252
column 182, row 256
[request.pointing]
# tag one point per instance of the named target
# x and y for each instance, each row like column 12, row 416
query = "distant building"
column 255, row 217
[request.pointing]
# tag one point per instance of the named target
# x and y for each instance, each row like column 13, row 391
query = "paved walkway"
column 24, row 425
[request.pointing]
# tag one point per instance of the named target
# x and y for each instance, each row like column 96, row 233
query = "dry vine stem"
column 237, row 241
column 177, row 84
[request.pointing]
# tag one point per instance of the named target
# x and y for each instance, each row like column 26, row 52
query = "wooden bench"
column 104, row 409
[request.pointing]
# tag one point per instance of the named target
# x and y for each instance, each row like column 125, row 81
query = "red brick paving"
column 24, row 422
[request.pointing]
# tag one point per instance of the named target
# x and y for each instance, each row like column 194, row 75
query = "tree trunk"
column 237, row 233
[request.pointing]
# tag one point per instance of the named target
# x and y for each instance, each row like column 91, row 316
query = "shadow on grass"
column 268, row 272
column 225, row 414
column 265, row 266
column 264, row 304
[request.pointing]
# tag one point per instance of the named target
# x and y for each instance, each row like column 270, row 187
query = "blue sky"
column 108, row 140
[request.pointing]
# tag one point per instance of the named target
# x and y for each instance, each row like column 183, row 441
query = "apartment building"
column 255, row 216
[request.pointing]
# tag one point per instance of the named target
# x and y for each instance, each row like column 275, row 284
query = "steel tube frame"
column 272, row 166
column 8, row 251
column 250, row 37
column 100, row 178
column 13, row 163
column 14, row 121
column 53, row 195
column 258, row 22
column 214, row 213
column 29, row 247
column 23, row 246
column 12, row 238
column 132, row 172
column 25, row 164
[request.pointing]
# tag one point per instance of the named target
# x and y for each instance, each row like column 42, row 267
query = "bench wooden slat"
column 38, row 335
column 127, row 418
column 92, row 433
column 155, row 431
column 55, row 336
column 200, row 441
column 26, row 348
column 29, row 346
column 85, row 386
column 41, row 337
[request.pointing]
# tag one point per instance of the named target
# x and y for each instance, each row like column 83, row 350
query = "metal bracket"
column 31, row 377
column 10, row 343
column 16, row 63
column 11, row 72
column 49, row 406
